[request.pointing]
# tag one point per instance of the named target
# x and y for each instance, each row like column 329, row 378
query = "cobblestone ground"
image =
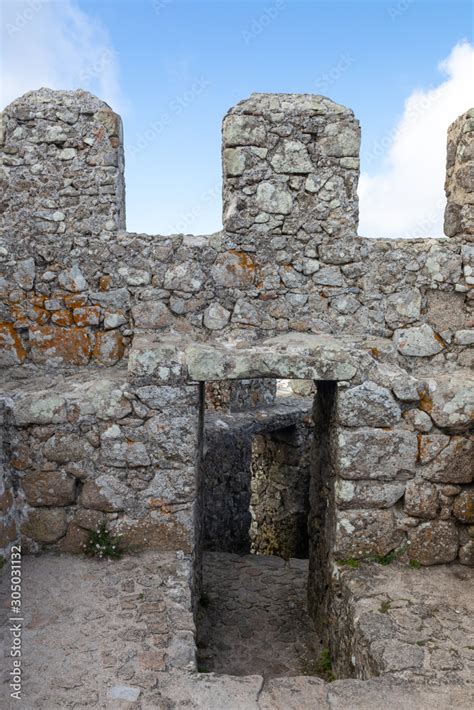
column 95, row 629
column 254, row 617
column 119, row 636
column 409, row 622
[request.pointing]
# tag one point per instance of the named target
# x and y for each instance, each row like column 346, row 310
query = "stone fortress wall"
column 106, row 335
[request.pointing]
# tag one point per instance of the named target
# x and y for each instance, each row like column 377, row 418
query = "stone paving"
column 120, row 636
column 254, row 617
column 406, row 622
column 95, row 631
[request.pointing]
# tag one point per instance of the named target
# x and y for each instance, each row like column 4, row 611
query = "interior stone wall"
column 98, row 450
column 239, row 395
column 279, row 503
column 9, row 528
column 228, row 476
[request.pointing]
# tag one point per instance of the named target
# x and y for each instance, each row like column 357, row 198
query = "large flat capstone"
column 290, row 356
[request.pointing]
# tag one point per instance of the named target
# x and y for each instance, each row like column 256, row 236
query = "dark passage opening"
column 256, row 476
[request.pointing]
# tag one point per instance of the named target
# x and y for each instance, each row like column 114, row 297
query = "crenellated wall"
column 75, row 286
column 104, row 334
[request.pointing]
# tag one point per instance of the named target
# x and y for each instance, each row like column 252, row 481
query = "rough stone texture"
column 290, row 171
column 368, row 405
column 449, row 401
column 285, row 290
column 463, row 506
column 458, row 217
column 128, row 619
column 239, row 395
column 268, row 272
column 279, row 504
column 99, row 444
column 255, row 620
column 404, row 623
column 368, row 453
column 365, row 533
column 228, row 474
column 421, row 500
column 434, row 542
column 131, row 620
column 9, row 527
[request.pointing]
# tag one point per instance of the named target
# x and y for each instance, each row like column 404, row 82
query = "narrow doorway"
column 253, row 614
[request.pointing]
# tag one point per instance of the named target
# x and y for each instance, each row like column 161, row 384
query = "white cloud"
column 406, row 199
column 53, row 43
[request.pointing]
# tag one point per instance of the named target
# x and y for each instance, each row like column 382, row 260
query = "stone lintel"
column 290, row 356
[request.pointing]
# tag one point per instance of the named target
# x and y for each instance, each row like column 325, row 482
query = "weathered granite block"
column 459, row 185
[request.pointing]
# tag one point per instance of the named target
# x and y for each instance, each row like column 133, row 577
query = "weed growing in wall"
column 101, row 543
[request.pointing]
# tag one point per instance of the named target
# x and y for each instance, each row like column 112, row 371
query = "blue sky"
column 172, row 68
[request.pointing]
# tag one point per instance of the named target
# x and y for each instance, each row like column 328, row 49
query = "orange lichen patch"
column 39, row 315
column 19, row 315
column 11, row 348
column 439, row 339
column 109, row 347
column 245, row 260
column 109, row 120
column 75, row 300
column 26, row 313
column 158, row 503
column 426, row 400
column 99, row 133
column 70, row 345
column 300, row 325
column 375, row 352
column 38, row 300
column 89, row 315
column 105, row 282
column 62, row 318
column 19, row 464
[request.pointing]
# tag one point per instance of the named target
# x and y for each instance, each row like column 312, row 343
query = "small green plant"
column 385, row 607
column 101, row 543
column 415, row 564
column 386, row 559
column 421, row 643
column 323, row 666
column 350, row 562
